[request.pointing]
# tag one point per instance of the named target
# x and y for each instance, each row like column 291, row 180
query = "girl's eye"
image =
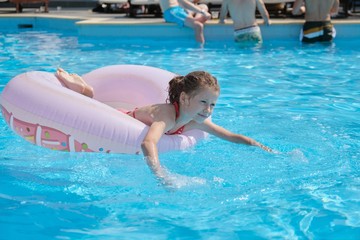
column 203, row 101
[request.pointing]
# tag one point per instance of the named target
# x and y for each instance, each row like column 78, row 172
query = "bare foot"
column 74, row 82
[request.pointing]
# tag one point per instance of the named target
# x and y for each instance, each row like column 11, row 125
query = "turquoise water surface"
column 302, row 100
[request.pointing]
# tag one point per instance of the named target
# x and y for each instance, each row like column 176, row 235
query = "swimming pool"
column 300, row 100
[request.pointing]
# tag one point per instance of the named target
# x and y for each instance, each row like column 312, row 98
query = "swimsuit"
column 322, row 31
column 251, row 33
column 177, row 112
column 176, row 15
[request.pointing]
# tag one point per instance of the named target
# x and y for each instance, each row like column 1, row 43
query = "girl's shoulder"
column 156, row 112
column 161, row 110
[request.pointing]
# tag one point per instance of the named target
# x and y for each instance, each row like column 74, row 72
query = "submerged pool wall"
column 212, row 31
column 38, row 23
column 157, row 29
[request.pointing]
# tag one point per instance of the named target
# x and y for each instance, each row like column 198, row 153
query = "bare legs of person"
column 198, row 29
column 196, row 22
column 74, row 82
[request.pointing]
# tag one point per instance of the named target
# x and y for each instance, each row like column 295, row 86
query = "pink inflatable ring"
column 38, row 108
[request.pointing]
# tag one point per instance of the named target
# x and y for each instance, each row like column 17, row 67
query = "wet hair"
column 190, row 84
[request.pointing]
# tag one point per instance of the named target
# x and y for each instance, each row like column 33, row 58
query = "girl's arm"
column 150, row 151
column 164, row 119
column 216, row 130
column 149, row 145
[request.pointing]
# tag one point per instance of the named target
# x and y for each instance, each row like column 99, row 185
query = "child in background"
column 177, row 11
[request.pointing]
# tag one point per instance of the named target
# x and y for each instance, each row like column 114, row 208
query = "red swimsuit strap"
column 132, row 112
column 177, row 113
column 179, row 131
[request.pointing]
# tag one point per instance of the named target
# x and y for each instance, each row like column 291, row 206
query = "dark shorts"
column 317, row 32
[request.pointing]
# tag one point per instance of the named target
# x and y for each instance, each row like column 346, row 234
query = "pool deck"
column 91, row 24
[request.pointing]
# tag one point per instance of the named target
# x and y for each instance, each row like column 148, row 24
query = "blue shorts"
column 176, row 15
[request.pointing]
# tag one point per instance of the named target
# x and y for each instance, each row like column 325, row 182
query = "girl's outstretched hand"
column 263, row 147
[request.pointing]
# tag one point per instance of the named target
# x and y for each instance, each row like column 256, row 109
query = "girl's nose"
column 207, row 109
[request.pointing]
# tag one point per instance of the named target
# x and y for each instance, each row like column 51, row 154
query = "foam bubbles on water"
column 306, row 222
column 295, row 155
column 298, row 155
column 177, row 181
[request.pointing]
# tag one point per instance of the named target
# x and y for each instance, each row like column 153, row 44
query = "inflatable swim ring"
column 40, row 109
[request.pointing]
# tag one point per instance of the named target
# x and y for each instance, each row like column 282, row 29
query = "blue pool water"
column 302, row 101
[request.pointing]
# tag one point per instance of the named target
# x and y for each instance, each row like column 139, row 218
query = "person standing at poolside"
column 175, row 11
column 317, row 26
column 242, row 13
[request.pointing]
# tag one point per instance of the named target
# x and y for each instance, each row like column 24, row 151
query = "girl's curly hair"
column 190, row 84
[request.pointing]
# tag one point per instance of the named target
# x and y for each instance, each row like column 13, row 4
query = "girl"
column 192, row 99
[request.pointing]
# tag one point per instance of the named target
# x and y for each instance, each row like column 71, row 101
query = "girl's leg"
column 74, row 82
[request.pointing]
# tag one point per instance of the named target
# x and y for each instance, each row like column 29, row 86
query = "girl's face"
column 200, row 105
